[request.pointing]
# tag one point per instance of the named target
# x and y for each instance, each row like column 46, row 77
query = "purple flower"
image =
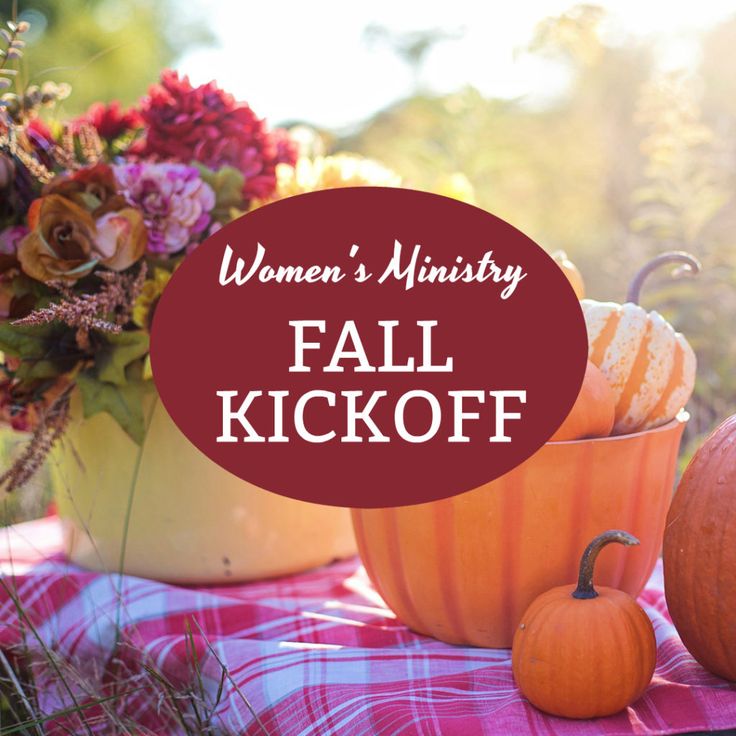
column 173, row 199
column 10, row 237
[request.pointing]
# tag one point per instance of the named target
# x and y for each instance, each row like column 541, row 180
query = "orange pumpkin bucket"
column 464, row 569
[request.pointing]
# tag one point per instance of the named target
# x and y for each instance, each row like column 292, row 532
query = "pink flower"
column 205, row 124
column 10, row 237
column 173, row 199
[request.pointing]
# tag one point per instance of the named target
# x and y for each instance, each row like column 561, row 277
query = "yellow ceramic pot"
column 464, row 569
column 190, row 521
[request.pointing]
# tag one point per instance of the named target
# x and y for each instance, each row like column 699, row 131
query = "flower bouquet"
column 95, row 215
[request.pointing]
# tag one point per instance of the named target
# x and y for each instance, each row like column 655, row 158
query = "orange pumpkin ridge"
column 512, row 534
column 700, row 553
column 399, row 574
column 580, row 510
column 365, row 558
column 444, row 519
column 632, row 506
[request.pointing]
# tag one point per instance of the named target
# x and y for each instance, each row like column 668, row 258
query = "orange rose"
column 66, row 242
column 121, row 238
column 93, row 188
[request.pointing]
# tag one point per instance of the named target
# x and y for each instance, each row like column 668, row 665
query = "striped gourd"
column 650, row 367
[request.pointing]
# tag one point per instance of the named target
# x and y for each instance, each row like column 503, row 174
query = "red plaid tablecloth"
column 317, row 653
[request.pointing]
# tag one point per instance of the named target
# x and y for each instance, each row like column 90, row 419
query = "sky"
column 296, row 60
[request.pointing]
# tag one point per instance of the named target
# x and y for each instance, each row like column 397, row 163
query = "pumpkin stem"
column 585, row 587
column 689, row 264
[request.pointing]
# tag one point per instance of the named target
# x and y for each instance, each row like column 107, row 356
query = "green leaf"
column 37, row 369
column 24, row 341
column 21, row 285
column 124, row 403
column 227, row 184
column 118, row 352
column 45, row 351
column 90, row 201
column 41, row 348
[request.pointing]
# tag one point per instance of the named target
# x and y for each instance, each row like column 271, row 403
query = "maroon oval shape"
column 208, row 338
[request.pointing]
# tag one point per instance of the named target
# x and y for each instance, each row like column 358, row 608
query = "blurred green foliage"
column 628, row 163
column 104, row 48
column 36, row 496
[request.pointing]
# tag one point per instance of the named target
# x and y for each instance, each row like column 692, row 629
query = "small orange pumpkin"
column 700, row 554
column 571, row 271
column 584, row 653
column 593, row 412
column 650, row 367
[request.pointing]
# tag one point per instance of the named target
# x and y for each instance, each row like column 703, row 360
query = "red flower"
column 287, row 149
column 39, row 134
column 206, row 124
column 36, row 132
column 40, row 140
column 111, row 121
column 23, row 408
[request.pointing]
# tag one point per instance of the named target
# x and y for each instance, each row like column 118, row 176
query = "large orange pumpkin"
column 650, row 367
column 593, row 412
column 584, row 653
column 465, row 568
column 700, row 554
